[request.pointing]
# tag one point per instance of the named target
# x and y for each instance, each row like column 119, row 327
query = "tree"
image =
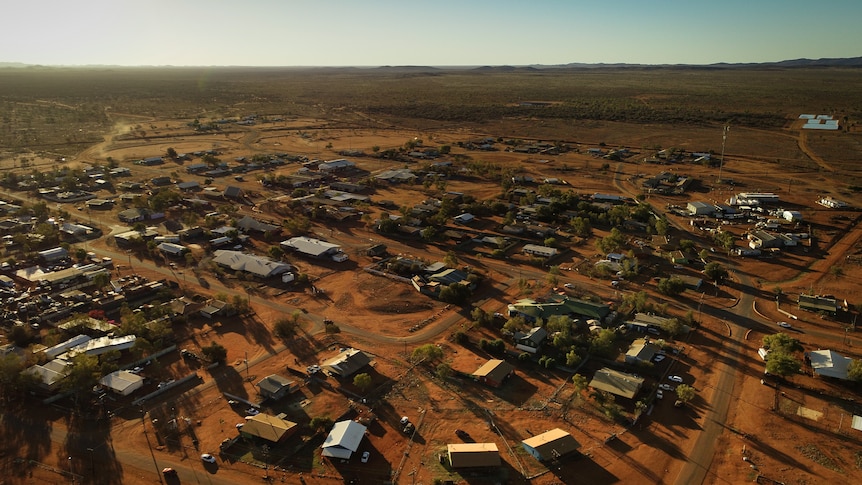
column 215, row 353
column 715, row 271
column 321, row 422
column 685, row 393
column 672, row 326
column 362, row 381
column 172, row 154
column 444, row 371
column 285, row 328
column 580, row 383
column 854, row 370
column 725, row 239
column 427, row 352
column 672, row 286
column 782, row 364
column 82, row 375
column 782, row 343
column 450, row 260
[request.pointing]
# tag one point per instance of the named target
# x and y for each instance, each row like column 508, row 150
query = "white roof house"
column 343, row 440
column 314, row 248
column 54, row 254
column 101, row 345
column 335, row 165
column 829, row 363
column 122, row 382
column 537, row 250
column 256, row 265
column 62, row 347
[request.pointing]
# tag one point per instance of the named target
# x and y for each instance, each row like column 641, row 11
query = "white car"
column 659, row 394
column 569, row 285
column 365, row 456
column 658, row 358
column 674, row 378
column 666, row 387
column 207, row 458
column 784, row 325
column 252, row 412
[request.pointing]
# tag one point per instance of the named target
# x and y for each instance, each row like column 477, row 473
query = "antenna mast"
column 723, row 142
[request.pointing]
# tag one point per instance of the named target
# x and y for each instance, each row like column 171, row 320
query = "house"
column 828, row 363
column 122, row 382
column 343, row 440
column 216, row 308
column 267, row 427
column 532, row 340
column 52, row 255
column 376, row 251
column 792, row 216
column 533, row 310
column 133, row 215
column 494, row 372
column 641, row 350
column 259, row 266
column 346, row 363
column 541, row 251
column 249, row 224
column 275, row 386
column 617, row 383
column 314, row 248
column 465, row 218
column 171, row 249
column 334, row 165
column 233, row 192
column 188, row 186
column 451, row 276
column 818, row 304
column 473, row 455
column 161, row 181
column 50, row 374
column 550, row 445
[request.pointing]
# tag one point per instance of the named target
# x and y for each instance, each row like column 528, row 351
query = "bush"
column 525, row 357
column 460, row 337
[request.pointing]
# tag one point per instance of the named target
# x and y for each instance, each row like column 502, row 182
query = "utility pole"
column 150, row 446
column 723, row 142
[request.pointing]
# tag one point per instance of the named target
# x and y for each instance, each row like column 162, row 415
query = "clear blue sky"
column 420, row 32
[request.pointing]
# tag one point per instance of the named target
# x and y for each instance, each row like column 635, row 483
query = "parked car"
column 666, row 387
column 404, row 420
column 675, row 378
column 784, row 325
column 569, row 286
column 169, row 472
column 365, row 456
column 207, row 458
column 659, row 394
column 658, row 358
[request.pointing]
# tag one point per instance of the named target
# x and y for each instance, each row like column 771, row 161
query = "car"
column 232, row 402
column 666, row 387
column 252, row 411
column 569, row 286
column 239, row 425
column 674, row 378
column 169, row 472
column 784, row 325
column 207, row 458
column 404, row 420
column 658, row 358
column 313, row 369
column 659, row 394
column 365, row 456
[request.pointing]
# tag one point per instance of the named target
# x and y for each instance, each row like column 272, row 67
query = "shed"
column 473, row 455
column 122, row 382
column 550, row 445
column 267, row 427
column 343, row 440
column 494, row 372
column 55, row 254
column 464, row 218
column 275, row 386
column 641, row 350
column 828, row 363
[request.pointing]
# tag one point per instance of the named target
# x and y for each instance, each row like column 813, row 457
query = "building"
column 617, row 383
column 334, row 165
column 52, row 255
column 832, row 203
column 122, row 382
column 494, row 372
column 315, row 248
column 346, row 363
column 249, row 224
column 532, row 340
column 343, row 440
column 130, row 216
column 259, row 266
column 641, row 350
column 275, row 386
column 818, row 304
column 171, row 249
column 533, row 310
column 541, row 251
column 473, row 455
column 464, row 218
column 550, row 445
column 793, row 216
column 50, row 374
column 700, row 209
column 828, row 363
column 266, row 427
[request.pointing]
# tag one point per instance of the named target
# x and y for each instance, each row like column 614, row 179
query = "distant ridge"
column 847, row 62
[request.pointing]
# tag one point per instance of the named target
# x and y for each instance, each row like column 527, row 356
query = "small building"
column 334, row 165
column 133, row 215
column 52, row 255
column 275, row 386
column 465, row 218
column 171, row 249
column 700, row 208
column 343, row 440
column 346, row 363
column 793, row 216
column 532, row 340
column 617, row 383
column 494, row 372
column 122, row 382
column 815, row 303
column 828, row 363
column 267, row 427
column 641, row 350
column 832, row 203
column 541, row 251
column 314, row 248
column 550, row 445
column 473, row 455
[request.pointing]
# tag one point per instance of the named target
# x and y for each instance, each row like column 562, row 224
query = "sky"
column 428, row 33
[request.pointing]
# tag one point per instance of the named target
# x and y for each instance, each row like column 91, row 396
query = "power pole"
column 723, row 142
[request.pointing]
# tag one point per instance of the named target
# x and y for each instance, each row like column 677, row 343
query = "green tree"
column 172, row 154
column 580, row 383
column 427, row 353
column 215, row 353
column 672, row 326
column 285, row 328
column 782, row 364
column 450, row 260
column 672, row 286
column 661, row 227
column 444, row 371
column 725, row 239
column 82, row 375
column 685, row 393
column 715, row 271
column 362, row 381
column 854, row 370
column 782, row 343
column 318, row 423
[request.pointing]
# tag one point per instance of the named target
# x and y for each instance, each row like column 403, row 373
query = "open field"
column 794, row 433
